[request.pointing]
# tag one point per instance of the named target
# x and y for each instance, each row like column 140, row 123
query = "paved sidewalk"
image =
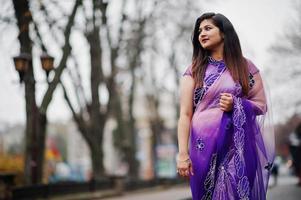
column 179, row 192
column 285, row 190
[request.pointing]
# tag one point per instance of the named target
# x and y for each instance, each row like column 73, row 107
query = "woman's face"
column 210, row 36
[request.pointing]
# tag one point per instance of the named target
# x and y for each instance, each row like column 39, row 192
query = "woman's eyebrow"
column 208, row 25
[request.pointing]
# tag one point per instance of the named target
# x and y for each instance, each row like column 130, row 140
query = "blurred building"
column 11, row 138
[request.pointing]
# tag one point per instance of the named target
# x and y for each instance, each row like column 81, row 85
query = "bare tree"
column 92, row 117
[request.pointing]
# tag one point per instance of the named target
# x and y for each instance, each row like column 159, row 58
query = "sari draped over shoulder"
column 230, row 153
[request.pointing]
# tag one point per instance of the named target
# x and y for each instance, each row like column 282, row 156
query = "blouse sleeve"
column 188, row 71
column 256, row 93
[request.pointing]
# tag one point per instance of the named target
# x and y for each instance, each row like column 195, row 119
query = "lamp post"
column 22, row 63
column 35, row 121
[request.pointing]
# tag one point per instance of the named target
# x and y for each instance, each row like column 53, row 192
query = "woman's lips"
column 205, row 40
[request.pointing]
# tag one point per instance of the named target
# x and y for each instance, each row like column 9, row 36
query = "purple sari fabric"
column 230, row 155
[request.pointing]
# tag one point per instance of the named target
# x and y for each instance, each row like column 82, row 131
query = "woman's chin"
column 207, row 47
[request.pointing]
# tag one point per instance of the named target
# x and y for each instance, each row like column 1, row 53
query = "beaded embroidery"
column 200, row 144
column 251, row 80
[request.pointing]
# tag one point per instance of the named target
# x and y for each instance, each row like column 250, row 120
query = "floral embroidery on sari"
column 200, row 144
column 222, row 178
column 239, row 119
column 210, row 178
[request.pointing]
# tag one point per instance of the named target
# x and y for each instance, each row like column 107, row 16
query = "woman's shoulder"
column 252, row 67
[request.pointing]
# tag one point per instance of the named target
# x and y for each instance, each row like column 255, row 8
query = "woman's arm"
column 186, row 111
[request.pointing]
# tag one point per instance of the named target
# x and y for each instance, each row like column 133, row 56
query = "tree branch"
column 77, row 82
column 50, row 22
column 59, row 70
column 77, row 117
column 39, row 36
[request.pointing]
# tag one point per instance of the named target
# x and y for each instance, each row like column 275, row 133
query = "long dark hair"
column 233, row 57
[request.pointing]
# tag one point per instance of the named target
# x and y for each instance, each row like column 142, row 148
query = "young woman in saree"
column 222, row 147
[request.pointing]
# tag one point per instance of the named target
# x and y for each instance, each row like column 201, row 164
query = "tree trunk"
column 31, row 168
column 96, row 119
column 41, row 139
column 157, row 125
column 131, row 154
column 97, row 160
column 132, row 133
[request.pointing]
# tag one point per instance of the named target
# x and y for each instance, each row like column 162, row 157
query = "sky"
column 257, row 22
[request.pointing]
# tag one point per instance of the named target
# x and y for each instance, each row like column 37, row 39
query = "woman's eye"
column 207, row 28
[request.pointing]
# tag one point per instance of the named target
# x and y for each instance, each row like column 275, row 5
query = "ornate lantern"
column 47, row 63
column 22, row 64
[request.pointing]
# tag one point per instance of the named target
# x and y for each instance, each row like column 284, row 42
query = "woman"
column 221, row 147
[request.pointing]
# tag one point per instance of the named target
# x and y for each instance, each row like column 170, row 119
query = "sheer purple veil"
column 266, row 125
column 265, row 140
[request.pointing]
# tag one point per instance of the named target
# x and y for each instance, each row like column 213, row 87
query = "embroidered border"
column 222, row 177
column 210, row 178
column 239, row 119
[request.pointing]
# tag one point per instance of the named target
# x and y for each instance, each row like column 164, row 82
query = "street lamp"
column 21, row 64
column 47, row 63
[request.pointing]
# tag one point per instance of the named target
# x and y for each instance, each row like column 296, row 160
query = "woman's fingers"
column 226, row 94
column 186, row 173
column 226, row 101
column 183, row 173
column 226, row 97
column 225, row 106
column 185, row 169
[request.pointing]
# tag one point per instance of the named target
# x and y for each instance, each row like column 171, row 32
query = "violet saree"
column 230, row 154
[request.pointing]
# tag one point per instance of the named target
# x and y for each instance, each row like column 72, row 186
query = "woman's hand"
column 184, row 165
column 226, row 102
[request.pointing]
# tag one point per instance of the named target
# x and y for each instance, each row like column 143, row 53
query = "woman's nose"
column 202, row 34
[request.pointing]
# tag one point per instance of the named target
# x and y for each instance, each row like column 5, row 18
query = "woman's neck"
column 217, row 55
